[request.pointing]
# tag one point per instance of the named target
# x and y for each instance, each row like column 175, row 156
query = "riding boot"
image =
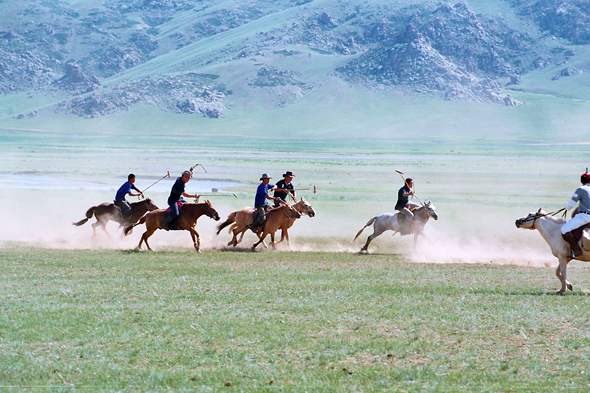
column 570, row 238
column 166, row 222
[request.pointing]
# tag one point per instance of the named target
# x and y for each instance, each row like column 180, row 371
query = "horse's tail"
column 372, row 220
column 230, row 220
column 130, row 227
column 89, row 214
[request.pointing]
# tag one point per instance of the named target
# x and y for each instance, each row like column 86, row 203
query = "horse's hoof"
column 561, row 293
column 570, row 287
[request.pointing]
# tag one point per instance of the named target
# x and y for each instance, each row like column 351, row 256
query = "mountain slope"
column 97, row 58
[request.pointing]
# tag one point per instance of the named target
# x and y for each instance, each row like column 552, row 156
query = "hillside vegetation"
column 97, row 58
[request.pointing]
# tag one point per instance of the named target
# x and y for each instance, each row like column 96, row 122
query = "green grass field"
column 119, row 320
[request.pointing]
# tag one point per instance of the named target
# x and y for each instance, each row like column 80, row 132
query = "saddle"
column 174, row 223
column 582, row 235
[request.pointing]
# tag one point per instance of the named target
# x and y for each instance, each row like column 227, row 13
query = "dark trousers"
column 259, row 216
column 125, row 208
column 174, row 210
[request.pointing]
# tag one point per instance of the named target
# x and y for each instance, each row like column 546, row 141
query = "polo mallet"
column 154, row 183
column 196, row 165
column 216, row 195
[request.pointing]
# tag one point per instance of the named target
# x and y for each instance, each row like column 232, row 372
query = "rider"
column 283, row 187
column 122, row 192
column 581, row 195
column 261, row 201
column 404, row 204
column 176, row 195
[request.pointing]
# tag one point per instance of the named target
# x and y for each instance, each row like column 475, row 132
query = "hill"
column 97, row 58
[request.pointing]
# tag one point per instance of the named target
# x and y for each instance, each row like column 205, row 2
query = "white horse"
column 550, row 228
column 389, row 221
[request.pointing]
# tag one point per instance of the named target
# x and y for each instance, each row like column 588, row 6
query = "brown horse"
column 189, row 214
column 276, row 218
column 302, row 207
column 108, row 211
column 240, row 221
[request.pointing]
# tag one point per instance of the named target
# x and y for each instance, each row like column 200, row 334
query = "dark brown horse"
column 189, row 214
column 108, row 211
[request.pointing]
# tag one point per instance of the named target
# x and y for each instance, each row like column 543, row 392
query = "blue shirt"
column 261, row 192
column 177, row 191
column 124, row 190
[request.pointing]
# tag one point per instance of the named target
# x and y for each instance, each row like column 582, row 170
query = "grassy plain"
column 89, row 312
column 121, row 320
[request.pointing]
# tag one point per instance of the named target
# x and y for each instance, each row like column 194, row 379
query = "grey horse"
column 389, row 221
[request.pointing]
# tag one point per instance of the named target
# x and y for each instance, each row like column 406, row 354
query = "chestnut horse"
column 241, row 220
column 550, row 228
column 275, row 219
column 108, row 211
column 189, row 214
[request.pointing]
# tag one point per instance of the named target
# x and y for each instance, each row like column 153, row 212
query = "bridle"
column 538, row 215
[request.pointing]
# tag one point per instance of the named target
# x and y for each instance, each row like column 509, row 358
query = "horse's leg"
column 560, row 272
column 234, row 241
column 377, row 232
column 196, row 239
column 145, row 237
column 264, row 234
column 562, row 275
column 272, row 241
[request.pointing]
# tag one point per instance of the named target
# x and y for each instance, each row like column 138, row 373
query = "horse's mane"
column 142, row 201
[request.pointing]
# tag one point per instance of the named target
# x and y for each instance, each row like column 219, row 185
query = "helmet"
column 585, row 178
column 188, row 174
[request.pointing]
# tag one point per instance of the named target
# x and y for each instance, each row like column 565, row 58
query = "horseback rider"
column 261, row 202
column 284, row 186
column 581, row 195
column 125, row 189
column 404, row 204
column 176, row 194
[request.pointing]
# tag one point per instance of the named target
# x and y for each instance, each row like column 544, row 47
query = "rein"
column 539, row 215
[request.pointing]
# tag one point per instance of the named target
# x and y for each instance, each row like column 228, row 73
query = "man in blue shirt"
column 261, row 201
column 176, row 195
column 125, row 189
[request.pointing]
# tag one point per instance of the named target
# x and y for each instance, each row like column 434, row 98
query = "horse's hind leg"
column 370, row 239
column 145, row 237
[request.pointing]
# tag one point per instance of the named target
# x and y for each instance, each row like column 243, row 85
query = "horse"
column 550, row 228
column 302, row 207
column 389, row 221
column 240, row 221
column 189, row 214
column 276, row 218
column 109, row 211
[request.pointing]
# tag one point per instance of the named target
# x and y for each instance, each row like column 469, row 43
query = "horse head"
column 211, row 212
column 430, row 209
column 292, row 213
column 150, row 204
column 528, row 222
column 304, row 207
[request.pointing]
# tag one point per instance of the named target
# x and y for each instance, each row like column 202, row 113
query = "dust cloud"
column 43, row 218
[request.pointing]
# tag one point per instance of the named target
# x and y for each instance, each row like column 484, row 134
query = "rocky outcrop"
column 75, row 81
column 419, row 67
column 188, row 94
column 565, row 19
